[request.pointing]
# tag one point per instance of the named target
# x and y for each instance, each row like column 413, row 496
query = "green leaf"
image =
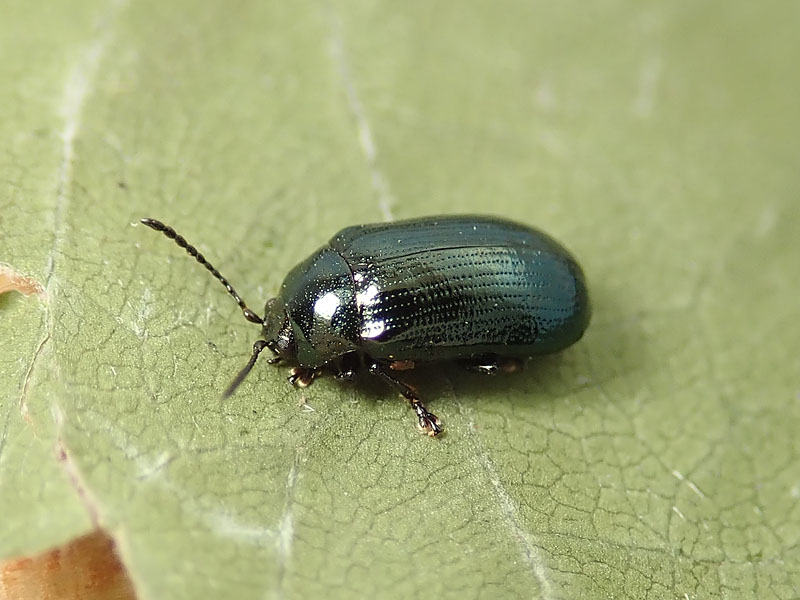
column 657, row 458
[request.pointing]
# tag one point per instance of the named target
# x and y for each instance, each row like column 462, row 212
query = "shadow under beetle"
column 481, row 290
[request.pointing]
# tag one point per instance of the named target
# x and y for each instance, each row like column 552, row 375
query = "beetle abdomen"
column 457, row 286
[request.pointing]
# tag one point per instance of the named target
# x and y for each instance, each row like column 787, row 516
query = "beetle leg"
column 428, row 422
column 347, row 367
column 347, row 376
column 303, row 376
column 402, row 365
column 491, row 364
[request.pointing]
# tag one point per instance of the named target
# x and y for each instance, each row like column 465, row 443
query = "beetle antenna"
column 257, row 348
column 181, row 241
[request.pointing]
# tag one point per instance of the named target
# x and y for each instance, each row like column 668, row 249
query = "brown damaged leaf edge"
column 11, row 281
column 87, row 568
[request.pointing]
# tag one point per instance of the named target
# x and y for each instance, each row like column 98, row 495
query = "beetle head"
column 317, row 299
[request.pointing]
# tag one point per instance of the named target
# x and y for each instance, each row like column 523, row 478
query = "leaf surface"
column 657, row 458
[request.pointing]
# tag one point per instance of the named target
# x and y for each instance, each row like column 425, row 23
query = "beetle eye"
column 284, row 342
column 278, row 330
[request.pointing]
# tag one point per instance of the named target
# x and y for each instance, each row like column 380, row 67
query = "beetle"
column 484, row 291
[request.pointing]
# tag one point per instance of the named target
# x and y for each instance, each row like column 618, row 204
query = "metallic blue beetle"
column 481, row 290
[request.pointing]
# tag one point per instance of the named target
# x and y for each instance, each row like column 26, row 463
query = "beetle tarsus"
column 428, row 422
column 303, row 377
